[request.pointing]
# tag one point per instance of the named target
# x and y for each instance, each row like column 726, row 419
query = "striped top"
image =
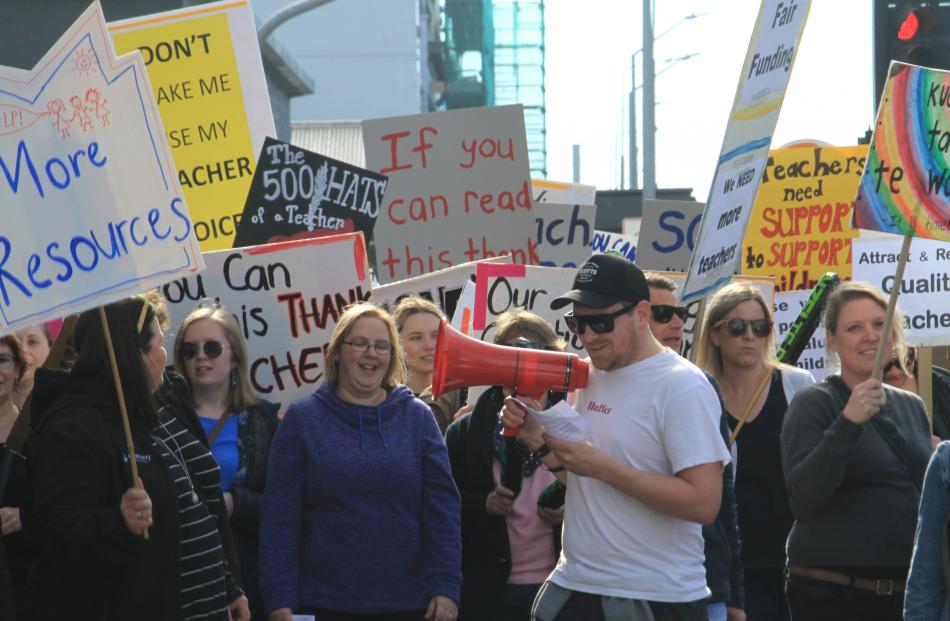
column 202, row 586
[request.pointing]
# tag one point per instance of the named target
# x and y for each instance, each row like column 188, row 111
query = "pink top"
column 532, row 541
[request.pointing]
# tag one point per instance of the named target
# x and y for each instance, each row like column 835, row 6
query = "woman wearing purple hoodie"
column 361, row 516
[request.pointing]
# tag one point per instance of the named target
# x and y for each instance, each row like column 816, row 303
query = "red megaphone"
column 462, row 361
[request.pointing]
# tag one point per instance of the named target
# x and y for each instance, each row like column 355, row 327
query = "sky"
column 589, row 44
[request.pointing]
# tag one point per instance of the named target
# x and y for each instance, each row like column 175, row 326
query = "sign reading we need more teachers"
column 92, row 208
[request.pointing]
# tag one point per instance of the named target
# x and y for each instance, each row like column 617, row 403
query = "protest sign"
column 668, row 234
column 298, row 193
column 800, row 226
column 286, row 309
column 925, row 286
column 564, row 233
column 787, row 306
column 459, row 189
column 205, row 67
column 605, row 241
column 765, row 73
column 92, row 211
column 546, row 191
column 631, row 226
column 905, row 188
column 442, row 287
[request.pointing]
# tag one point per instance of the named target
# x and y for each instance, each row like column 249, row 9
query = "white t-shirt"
column 659, row 415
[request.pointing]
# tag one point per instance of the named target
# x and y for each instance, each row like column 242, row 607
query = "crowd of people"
column 733, row 489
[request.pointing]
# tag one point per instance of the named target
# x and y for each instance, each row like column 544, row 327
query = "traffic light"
column 910, row 31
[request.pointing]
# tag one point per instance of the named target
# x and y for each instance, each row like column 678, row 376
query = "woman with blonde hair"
column 854, row 451
column 736, row 346
column 240, row 426
column 365, row 515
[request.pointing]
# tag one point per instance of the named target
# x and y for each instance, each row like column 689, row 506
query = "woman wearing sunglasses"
column 363, row 515
column 736, row 346
column 854, row 452
column 510, row 542
column 240, row 426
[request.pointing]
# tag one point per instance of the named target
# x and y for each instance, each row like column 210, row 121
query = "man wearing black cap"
column 651, row 474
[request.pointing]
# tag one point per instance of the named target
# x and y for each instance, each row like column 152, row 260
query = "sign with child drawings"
column 905, row 188
column 92, row 208
column 286, row 309
column 298, row 193
column 459, row 190
column 205, row 67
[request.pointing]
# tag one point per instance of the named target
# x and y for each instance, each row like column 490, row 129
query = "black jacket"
column 90, row 565
column 486, row 552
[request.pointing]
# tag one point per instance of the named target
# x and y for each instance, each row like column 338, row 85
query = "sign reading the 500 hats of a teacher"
column 459, row 189
column 92, row 209
column 297, row 193
column 205, row 67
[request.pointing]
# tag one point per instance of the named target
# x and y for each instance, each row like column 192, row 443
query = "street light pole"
column 634, row 181
column 649, row 104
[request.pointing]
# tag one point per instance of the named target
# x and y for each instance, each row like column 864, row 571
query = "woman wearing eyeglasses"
column 737, row 347
column 510, row 542
column 363, row 515
column 240, row 426
column 854, row 452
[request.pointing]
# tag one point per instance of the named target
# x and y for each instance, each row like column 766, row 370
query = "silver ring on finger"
column 138, row 515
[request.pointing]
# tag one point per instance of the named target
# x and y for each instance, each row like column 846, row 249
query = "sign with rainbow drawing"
column 905, row 188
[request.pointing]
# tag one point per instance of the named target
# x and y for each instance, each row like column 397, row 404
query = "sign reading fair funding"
column 205, row 67
column 459, row 190
column 92, row 209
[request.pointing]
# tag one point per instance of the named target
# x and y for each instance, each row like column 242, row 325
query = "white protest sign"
column 765, row 72
column 814, row 358
column 668, row 233
column 564, row 233
column 286, row 308
column 605, row 241
column 925, row 290
column 464, row 310
column 546, row 191
column 631, row 226
column 459, row 189
column 442, row 287
column 92, row 209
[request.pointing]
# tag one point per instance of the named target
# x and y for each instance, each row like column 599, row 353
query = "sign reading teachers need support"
column 299, row 193
column 205, row 67
column 286, row 309
column 92, row 209
column 459, row 190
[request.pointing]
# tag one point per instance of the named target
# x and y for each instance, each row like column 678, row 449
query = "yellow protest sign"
column 205, row 68
column 800, row 226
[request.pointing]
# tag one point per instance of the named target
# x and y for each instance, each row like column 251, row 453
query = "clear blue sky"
column 589, row 45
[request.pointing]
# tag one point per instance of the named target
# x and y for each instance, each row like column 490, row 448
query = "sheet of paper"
column 561, row 421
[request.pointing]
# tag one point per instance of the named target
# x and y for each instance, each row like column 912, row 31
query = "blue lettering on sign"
column 58, row 172
column 603, row 242
column 670, row 221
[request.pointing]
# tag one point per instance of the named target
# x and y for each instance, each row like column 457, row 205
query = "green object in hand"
column 552, row 496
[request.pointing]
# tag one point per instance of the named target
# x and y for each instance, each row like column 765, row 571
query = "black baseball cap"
column 603, row 280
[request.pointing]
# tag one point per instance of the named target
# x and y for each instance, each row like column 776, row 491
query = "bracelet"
column 553, row 470
column 543, row 450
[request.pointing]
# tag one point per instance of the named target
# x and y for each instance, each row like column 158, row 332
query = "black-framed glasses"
column 7, row 360
column 663, row 313
column 361, row 345
column 738, row 327
column 212, row 349
column 601, row 324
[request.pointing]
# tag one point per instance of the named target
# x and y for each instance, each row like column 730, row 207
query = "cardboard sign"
column 765, row 73
column 925, row 290
column 92, row 211
column 787, row 306
column 459, row 190
column 545, row 191
column 605, row 241
column 286, row 309
column 800, row 226
column 564, row 233
column 668, row 234
column 205, row 67
column 906, row 184
column 299, row 193
column 631, row 226
column 442, row 287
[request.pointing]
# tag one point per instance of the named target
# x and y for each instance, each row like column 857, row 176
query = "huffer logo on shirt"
column 602, row 408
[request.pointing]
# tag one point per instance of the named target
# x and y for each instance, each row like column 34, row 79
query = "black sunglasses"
column 601, row 324
column 760, row 327
column 189, row 349
column 663, row 313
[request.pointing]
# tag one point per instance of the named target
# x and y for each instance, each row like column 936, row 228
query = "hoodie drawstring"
column 379, row 427
column 359, row 416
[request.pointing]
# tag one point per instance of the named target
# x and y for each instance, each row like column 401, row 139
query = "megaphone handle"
column 511, row 432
